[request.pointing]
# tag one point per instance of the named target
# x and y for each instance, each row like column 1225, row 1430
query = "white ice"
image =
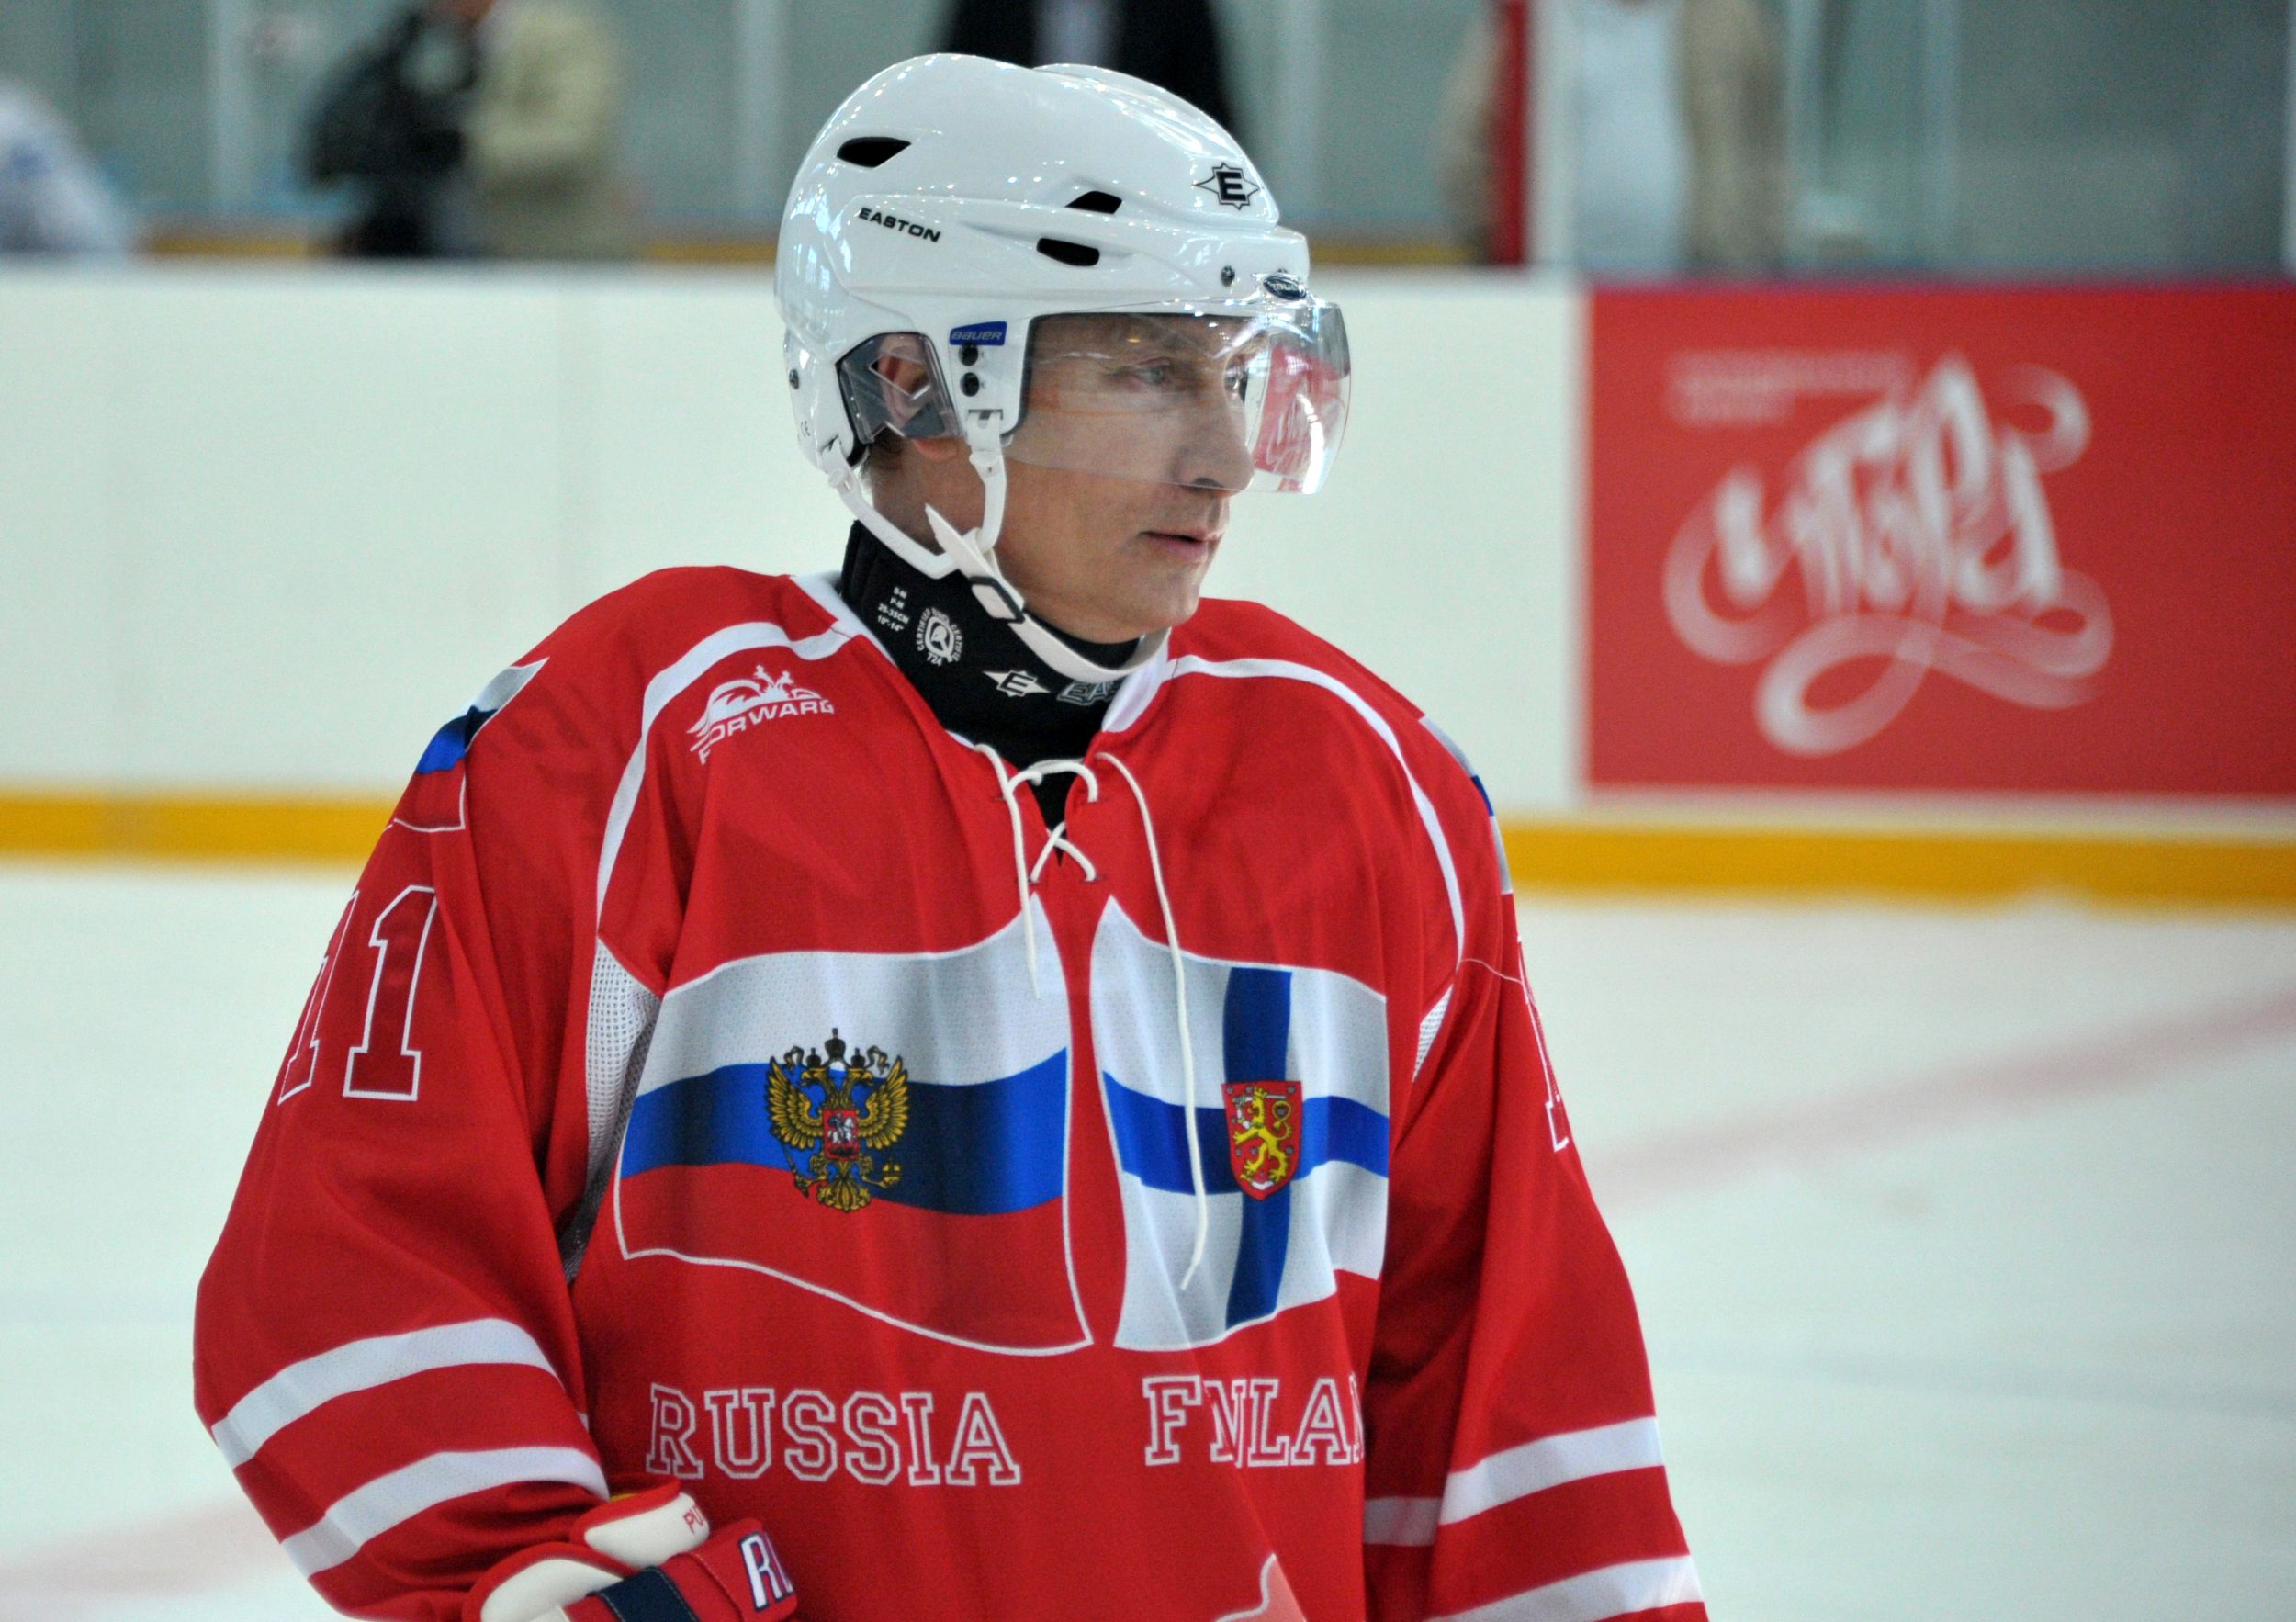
column 1965, row 1239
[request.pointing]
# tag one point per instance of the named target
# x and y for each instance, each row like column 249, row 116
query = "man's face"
column 1119, row 476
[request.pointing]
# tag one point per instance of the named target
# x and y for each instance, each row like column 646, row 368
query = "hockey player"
column 1019, row 1084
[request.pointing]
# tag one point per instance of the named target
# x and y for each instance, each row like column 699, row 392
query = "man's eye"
column 1156, row 374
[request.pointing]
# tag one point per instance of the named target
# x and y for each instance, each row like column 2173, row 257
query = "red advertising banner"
column 2021, row 540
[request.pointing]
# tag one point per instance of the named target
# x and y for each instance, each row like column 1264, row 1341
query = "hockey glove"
column 649, row 1557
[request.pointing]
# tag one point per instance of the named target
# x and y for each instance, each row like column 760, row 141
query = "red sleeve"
column 385, row 1350
column 1512, row 1466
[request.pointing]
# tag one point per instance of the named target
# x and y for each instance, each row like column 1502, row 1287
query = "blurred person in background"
column 480, row 127
column 1679, row 123
column 52, row 198
column 1171, row 43
column 542, row 142
column 389, row 125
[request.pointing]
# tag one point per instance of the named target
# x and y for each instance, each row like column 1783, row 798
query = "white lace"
column 1187, row 1044
column 1027, row 874
column 1009, row 784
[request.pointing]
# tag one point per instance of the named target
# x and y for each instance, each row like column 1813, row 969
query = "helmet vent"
column 1074, row 254
column 866, row 151
column 1099, row 202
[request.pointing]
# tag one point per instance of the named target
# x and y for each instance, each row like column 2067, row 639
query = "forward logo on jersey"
column 749, row 700
column 842, row 1114
column 1290, row 1146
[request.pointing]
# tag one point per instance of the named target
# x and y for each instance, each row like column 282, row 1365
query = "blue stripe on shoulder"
column 451, row 742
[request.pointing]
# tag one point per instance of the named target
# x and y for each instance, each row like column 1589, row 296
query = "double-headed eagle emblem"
column 842, row 1112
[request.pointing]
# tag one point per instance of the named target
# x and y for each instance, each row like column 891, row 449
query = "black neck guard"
column 980, row 680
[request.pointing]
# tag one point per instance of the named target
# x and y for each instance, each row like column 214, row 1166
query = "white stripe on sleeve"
column 1512, row 1473
column 1596, row 1596
column 387, row 1501
column 360, row 1365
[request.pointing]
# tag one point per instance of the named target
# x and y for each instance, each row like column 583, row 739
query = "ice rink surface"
column 1965, row 1239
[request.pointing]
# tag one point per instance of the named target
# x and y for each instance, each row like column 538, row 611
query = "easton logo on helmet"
column 894, row 222
column 1230, row 185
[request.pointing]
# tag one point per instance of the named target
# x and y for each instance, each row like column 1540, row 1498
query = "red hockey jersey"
column 721, row 1071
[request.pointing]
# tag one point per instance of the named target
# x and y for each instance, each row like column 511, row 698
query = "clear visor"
column 1244, row 397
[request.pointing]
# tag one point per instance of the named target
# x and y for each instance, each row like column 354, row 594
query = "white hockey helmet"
column 1068, row 223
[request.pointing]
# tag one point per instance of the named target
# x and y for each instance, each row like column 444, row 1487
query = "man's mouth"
column 1201, row 538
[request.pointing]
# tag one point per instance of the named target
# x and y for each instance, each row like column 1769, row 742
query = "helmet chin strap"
column 971, row 553
column 899, row 542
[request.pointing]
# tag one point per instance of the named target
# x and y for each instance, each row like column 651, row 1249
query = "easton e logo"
column 894, row 222
column 1231, row 185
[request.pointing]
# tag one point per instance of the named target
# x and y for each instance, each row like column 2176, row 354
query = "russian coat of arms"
column 1263, row 1133
column 841, row 1111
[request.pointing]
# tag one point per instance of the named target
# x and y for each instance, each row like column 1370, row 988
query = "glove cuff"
column 533, row 1584
column 611, row 1544
column 735, row 1577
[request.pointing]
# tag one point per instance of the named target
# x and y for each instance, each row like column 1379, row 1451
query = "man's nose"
column 1213, row 453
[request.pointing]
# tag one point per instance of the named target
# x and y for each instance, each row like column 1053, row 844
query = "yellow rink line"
column 1546, row 855
column 301, row 828
column 1971, row 864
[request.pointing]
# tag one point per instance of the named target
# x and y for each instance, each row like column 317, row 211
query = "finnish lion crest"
column 841, row 1111
column 1264, row 1120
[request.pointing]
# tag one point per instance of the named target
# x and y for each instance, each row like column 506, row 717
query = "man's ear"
column 905, row 374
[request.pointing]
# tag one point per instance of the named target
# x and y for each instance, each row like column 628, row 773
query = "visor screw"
column 792, row 378
column 970, row 355
column 1227, row 276
column 970, row 383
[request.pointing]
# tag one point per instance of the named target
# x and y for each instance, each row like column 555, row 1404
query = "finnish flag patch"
column 1290, row 1128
